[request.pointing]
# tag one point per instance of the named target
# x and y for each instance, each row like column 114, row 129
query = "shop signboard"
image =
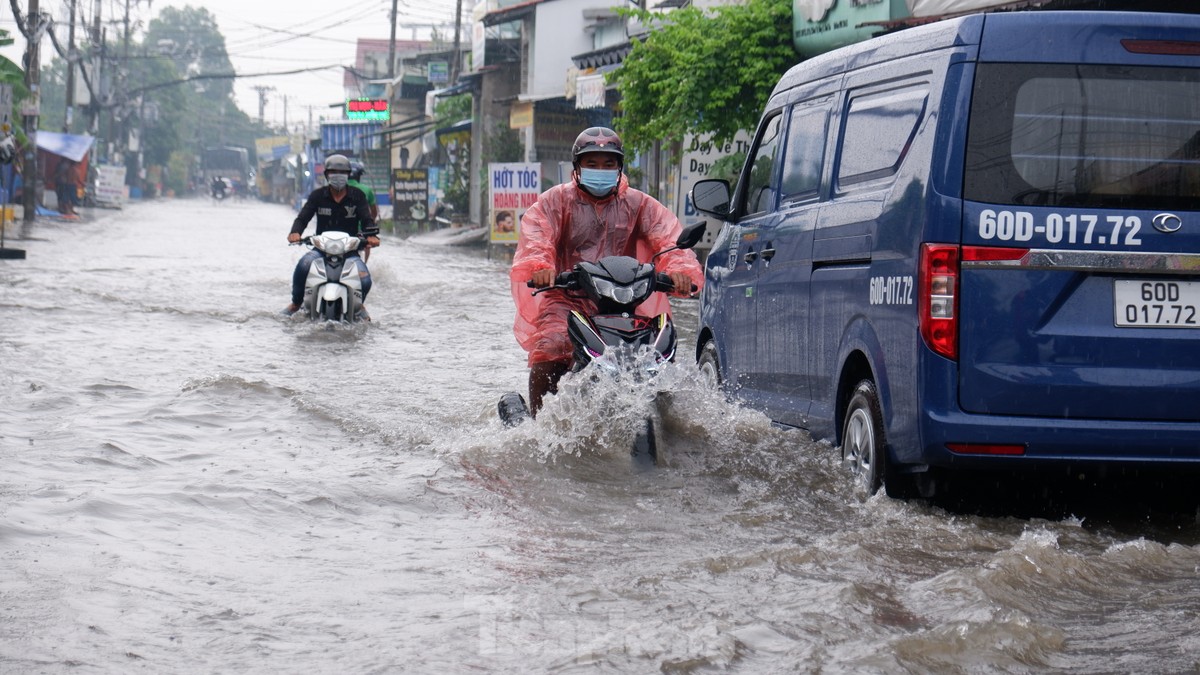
column 410, row 195
column 110, row 185
column 512, row 188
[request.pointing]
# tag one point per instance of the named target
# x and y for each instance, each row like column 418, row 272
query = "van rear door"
column 1080, row 282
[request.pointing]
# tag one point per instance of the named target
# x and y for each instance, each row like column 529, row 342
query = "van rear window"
column 1084, row 135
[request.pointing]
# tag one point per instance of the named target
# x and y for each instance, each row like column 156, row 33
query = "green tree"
column 702, row 71
column 11, row 73
column 190, row 38
column 191, row 41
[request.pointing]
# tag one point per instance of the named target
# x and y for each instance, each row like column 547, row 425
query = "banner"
column 512, row 188
column 589, row 91
column 110, row 185
column 6, row 117
column 410, row 195
column 270, row 149
column 699, row 155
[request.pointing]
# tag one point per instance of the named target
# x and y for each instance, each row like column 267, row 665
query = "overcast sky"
column 265, row 36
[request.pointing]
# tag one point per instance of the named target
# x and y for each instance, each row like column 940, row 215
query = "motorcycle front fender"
column 333, row 292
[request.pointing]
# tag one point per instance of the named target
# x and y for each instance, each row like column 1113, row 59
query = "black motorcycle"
column 614, row 339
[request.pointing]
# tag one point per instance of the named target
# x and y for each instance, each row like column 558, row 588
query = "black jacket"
column 352, row 215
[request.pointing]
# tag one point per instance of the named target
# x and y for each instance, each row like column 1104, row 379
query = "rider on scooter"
column 595, row 215
column 340, row 207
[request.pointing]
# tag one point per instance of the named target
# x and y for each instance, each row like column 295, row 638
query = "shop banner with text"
column 512, row 188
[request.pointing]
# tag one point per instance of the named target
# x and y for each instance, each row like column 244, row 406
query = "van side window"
column 805, row 150
column 879, row 129
column 760, row 193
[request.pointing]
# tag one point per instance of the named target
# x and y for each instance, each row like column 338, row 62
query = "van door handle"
column 768, row 253
column 749, row 257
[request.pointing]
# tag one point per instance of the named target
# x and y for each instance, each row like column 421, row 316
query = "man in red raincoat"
column 595, row 215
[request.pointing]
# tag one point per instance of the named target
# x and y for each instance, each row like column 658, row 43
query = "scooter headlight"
column 617, row 293
column 333, row 246
column 640, row 288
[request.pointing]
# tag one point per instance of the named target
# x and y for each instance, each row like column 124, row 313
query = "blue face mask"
column 599, row 182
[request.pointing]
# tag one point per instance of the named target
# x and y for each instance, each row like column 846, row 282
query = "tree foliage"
column 702, row 72
column 175, row 86
column 190, row 38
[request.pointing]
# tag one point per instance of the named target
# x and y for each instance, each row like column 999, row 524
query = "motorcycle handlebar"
column 567, row 280
column 308, row 240
column 664, row 282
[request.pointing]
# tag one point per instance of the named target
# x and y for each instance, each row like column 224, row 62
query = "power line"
column 230, row 76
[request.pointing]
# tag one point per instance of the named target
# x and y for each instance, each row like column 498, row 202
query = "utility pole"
column 457, row 58
column 97, row 80
column 391, row 71
column 262, row 100
column 30, row 114
column 71, row 56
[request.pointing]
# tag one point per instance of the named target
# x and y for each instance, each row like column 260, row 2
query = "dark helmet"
column 337, row 163
column 356, row 169
column 598, row 139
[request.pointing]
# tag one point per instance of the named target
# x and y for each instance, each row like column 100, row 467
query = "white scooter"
column 333, row 289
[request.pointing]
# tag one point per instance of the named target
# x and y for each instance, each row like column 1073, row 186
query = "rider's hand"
column 372, row 241
column 293, row 237
column 543, row 277
column 683, row 283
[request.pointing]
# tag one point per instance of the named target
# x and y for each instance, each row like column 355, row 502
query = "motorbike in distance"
column 614, row 339
column 333, row 287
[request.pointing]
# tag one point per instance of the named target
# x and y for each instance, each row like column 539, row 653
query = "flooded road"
column 191, row 482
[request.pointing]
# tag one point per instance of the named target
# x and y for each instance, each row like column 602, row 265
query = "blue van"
column 973, row 244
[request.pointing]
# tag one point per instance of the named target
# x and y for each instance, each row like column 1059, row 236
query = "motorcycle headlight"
column 640, row 288
column 607, row 289
column 333, row 246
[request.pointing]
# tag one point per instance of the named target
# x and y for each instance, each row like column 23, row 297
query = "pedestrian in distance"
column 65, row 185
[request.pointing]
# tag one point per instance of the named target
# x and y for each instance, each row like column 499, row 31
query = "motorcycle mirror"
column 691, row 235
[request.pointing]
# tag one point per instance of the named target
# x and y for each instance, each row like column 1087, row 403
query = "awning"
column 457, row 127
column 459, row 88
column 525, row 98
column 71, row 146
column 510, row 13
column 606, row 56
column 349, row 136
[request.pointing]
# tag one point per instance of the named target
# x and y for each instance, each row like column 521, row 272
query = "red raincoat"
column 567, row 225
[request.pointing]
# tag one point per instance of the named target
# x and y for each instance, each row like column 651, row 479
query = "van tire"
column 709, row 365
column 863, row 441
column 864, row 446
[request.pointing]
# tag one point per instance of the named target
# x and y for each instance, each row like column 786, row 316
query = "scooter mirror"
column 691, row 235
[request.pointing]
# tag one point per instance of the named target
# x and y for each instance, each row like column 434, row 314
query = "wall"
column 558, row 35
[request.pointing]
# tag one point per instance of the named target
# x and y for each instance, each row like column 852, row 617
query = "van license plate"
column 1144, row 303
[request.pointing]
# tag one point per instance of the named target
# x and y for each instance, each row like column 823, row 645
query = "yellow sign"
column 520, row 115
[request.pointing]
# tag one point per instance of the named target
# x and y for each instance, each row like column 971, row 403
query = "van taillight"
column 938, row 300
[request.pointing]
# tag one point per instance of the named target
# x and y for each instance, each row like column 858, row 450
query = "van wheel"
column 864, row 447
column 709, row 365
column 863, row 441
